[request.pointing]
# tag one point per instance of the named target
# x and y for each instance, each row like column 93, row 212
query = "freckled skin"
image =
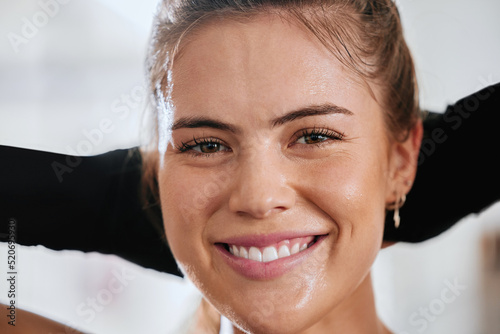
column 263, row 180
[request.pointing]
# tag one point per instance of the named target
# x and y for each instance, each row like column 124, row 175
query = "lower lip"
column 266, row 270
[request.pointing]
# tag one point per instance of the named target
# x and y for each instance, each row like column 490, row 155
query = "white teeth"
column 243, row 252
column 269, row 254
column 235, row 250
column 284, row 251
column 254, row 254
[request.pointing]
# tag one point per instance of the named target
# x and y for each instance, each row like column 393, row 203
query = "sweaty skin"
column 273, row 136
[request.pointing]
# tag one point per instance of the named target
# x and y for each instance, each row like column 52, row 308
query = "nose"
column 261, row 187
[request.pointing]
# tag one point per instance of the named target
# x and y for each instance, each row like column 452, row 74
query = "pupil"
column 209, row 147
column 315, row 138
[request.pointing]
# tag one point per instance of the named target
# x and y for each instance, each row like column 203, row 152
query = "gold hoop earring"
column 397, row 205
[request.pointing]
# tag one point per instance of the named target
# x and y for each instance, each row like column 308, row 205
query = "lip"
column 266, row 270
column 264, row 240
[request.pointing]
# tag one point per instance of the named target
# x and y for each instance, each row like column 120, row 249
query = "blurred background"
column 67, row 66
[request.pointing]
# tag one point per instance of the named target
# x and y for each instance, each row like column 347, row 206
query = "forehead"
column 265, row 62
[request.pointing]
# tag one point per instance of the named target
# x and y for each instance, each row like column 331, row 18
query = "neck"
column 206, row 320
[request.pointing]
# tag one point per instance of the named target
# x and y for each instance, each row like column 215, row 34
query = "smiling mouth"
column 284, row 248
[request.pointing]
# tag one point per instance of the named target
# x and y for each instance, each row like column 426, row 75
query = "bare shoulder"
column 28, row 322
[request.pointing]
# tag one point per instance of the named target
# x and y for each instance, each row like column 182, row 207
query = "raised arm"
column 80, row 203
column 93, row 203
column 458, row 172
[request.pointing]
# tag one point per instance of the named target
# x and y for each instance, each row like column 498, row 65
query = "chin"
column 274, row 309
column 258, row 322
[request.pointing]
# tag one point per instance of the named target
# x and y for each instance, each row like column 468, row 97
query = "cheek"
column 350, row 189
column 187, row 200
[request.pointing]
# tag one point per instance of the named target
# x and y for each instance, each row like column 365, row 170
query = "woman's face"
column 278, row 156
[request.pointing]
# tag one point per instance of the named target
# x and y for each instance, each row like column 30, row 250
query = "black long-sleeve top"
column 94, row 203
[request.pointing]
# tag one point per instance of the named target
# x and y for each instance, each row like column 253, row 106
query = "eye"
column 205, row 146
column 317, row 136
column 208, row 147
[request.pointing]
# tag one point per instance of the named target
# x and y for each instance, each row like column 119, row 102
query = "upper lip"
column 264, row 240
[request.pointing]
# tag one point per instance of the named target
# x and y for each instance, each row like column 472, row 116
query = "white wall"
column 83, row 64
column 73, row 72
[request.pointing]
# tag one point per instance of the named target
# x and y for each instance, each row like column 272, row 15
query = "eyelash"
column 186, row 147
column 324, row 132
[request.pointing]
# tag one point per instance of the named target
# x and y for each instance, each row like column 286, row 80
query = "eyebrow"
column 203, row 122
column 314, row 110
column 323, row 109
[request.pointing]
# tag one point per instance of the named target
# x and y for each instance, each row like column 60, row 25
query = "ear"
column 403, row 161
